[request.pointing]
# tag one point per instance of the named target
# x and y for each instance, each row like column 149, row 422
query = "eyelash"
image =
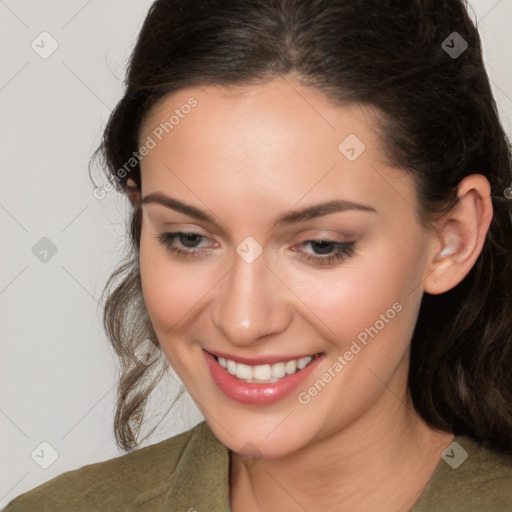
column 343, row 249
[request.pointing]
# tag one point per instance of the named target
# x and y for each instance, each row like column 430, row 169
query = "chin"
column 264, row 437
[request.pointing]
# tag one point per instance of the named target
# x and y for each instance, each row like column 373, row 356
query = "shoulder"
column 152, row 477
column 469, row 478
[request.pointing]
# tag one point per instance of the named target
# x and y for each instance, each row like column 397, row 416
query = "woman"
column 322, row 251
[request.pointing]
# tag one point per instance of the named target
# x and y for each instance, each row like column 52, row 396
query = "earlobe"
column 462, row 236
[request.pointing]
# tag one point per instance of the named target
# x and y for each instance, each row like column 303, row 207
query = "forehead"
column 279, row 110
column 265, row 142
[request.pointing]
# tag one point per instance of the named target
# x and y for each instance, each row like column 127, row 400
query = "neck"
column 381, row 462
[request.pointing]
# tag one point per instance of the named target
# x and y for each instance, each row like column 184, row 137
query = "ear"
column 133, row 192
column 459, row 240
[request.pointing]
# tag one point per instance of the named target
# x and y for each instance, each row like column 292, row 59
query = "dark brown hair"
column 438, row 121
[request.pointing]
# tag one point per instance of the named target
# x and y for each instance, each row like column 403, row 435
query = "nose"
column 251, row 303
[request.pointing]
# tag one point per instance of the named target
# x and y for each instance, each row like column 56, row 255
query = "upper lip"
column 255, row 361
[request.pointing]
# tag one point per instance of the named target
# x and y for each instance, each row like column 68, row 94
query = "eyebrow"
column 292, row 217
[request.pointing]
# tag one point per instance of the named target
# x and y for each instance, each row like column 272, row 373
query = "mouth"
column 263, row 382
column 264, row 373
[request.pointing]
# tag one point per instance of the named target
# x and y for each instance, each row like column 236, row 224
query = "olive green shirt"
column 190, row 472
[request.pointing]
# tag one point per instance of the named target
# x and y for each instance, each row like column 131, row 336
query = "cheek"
column 368, row 294
column 171, row 291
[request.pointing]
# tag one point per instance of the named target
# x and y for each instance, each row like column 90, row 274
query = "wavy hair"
column 438, row 120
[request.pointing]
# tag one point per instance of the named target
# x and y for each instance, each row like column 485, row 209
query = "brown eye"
column 335, row 251
column 187, row 243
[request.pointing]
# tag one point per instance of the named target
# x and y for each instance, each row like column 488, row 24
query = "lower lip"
column 257, row 394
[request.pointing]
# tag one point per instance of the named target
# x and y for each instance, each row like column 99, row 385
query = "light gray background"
column 58, row 373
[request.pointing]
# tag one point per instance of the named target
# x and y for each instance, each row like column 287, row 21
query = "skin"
column 246, row 155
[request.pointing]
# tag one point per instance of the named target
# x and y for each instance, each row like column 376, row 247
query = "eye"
column 329, row 251
column 189, row 241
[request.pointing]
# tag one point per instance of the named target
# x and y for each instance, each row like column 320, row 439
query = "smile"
column 263, row 373
column 266, row 381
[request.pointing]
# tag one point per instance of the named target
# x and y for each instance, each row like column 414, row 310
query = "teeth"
column 303, row 362
column 278, row 370
column 231, row 367
column 243, row 371
column 291, row 367
column 264, row 373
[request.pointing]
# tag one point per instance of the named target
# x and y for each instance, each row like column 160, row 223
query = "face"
column 236, row 281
